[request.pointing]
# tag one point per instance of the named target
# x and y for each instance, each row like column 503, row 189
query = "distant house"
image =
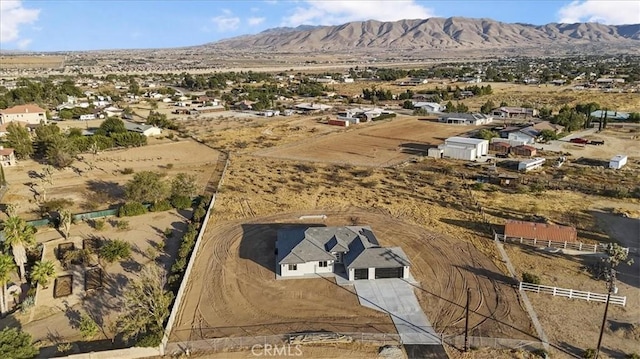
column 610, row 115
column 147, row 130
column 424, row 97
column 524, row 150
column 311, row 107
column 31, row 114
column 527, row 135
column 531, row 164
column 504, row 132
column 7, row 157
column 414, row 81
column 431, row 107
column 87, row 117
column 546, row 125
column 511, row 112
column 500, row 147
column 353, row 250
column 244, row 105
column 474, row 119
column 540, row 231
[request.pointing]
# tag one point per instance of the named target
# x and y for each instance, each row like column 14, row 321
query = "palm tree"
column 18, row 234
column 42, row 272
column 6, row 267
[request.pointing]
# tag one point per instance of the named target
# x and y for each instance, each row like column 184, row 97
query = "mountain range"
column 433, row 34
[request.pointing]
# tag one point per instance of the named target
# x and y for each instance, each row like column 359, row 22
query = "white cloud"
column 12, row 16
column 254, row 9
column 23, row 44
column 226, row 22
column 338, row 12
column 611, row 12
column 254, row 21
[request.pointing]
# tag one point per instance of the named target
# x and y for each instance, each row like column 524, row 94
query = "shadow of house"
column 258, row 242
column 413, row 148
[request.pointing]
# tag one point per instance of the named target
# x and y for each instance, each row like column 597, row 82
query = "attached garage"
column 362, row 273
column 397, row 272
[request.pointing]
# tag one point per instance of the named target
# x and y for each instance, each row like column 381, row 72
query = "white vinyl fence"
column 578, row 246
column 573, row 294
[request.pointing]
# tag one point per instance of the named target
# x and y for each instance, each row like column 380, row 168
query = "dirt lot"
column 96, row 181
column 616, row 142
column 594, row 221
column 370, row 144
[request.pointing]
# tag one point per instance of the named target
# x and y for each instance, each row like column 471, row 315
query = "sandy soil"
column 405, row 204
column 370, row 144
column 96, row 181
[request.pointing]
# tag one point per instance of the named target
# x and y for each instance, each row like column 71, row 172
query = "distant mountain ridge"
column 432, row 33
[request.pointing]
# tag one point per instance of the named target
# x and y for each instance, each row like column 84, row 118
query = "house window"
column 323, row 264
column 293, row 267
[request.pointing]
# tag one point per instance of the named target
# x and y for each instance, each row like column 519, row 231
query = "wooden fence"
column 578, row 246
column 572, row 293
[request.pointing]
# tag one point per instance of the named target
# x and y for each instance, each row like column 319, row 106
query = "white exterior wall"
column 155, row 131
column 305, row 269
column 519, row 136
column 405, row 273
column 372, row 273
column 352, row 274
column 460, row 153
column 32, row 118
column 618, row 163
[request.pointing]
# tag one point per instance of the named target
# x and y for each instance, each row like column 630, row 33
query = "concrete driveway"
column 396, row 297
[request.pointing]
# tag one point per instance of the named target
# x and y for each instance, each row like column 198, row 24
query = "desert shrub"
column 98, row 224
column 169, row 166
column 130, row 209
column 27, row 303
column 122, row 224
column 633, row 356
column 536, row 187
column 114, row 250
column 127, row 171
column 179, row 265
column 540, row 353
column 522, row 189
column 63, row 348
column 150, row 339
column 199, row 213
column 88, row 327
column 181, row 202
column 477, row 186
column 384, row 116
column 589, row 353
column 161, row 206
column 362, row 173
column 530, row 278
column 55, row 205
column 304, row 168
column 168, row 232
column 615, row 192
column 369, row 184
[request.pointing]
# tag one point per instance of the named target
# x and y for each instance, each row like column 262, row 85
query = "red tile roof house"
column 540, row 231
column 31, row 114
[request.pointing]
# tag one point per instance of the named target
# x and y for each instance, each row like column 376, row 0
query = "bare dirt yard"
column 96, row 181
column 597, row 220
column 616, row 141
column 370, row 144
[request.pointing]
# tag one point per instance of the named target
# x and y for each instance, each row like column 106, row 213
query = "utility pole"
column 611, row 285
column 466, row 322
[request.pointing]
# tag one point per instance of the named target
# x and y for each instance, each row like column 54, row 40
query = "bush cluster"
column 130, row 209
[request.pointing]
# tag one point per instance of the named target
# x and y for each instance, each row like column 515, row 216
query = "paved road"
column 396, row 297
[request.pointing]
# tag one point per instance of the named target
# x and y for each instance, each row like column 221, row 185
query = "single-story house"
column 147, row 130
column 546, row 125
column 326, row 250
column 86, row 117
column 429, row 106
column 524, row 150
column 540, row 231
column 311, row 107
column 504, row 132
column 475, row 119
column 527, row 135
column 510, row 112
column 531, row 164
column 7, row 157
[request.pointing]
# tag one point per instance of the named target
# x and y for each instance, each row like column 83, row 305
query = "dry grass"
column 14, row 62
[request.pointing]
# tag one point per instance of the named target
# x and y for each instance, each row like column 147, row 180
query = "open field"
column 97, row 182
column 24, row 62
column 235, row 292
column 616, row 141
column 370, row 144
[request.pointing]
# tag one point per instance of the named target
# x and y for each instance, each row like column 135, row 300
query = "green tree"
column 110, row 126
column 146, row 186
column 7, row 266
column 16, row 344
column 548, row 135
column 487, row 134
column 19, row 139
column 114, row 250
column 487, row 107
column 146, row 306
column 184, row 185
column 42, row 272
column 18, row 235
column 545, row 113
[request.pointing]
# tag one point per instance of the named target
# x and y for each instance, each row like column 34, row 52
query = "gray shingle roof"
column 378, row 257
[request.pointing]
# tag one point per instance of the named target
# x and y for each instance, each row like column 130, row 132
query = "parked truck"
column 579, row 140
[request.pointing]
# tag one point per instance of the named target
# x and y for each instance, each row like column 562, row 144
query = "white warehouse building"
column 463, row 148
column 617, row 162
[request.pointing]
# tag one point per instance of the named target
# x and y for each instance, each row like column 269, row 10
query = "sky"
column 74, row 25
